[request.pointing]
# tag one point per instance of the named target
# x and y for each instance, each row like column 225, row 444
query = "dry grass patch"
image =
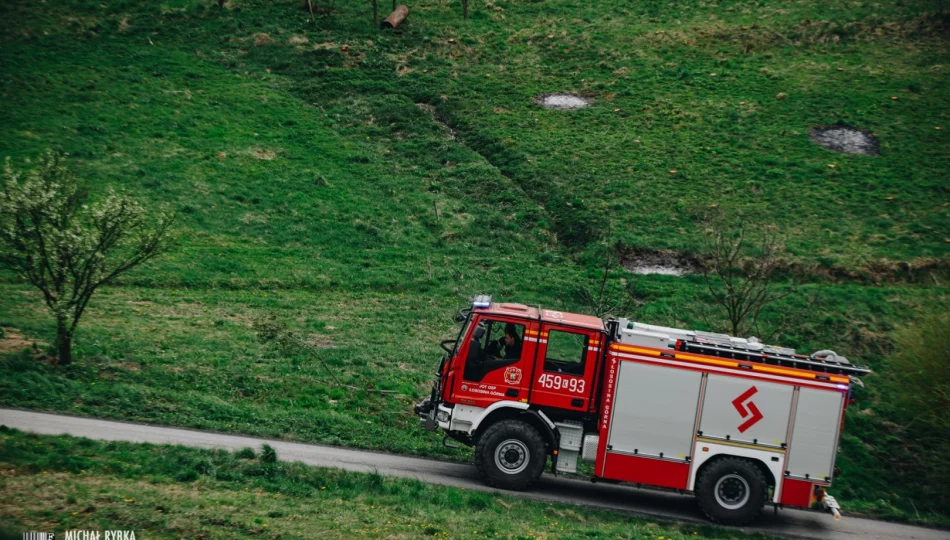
column 13, row 341
column 266, row 155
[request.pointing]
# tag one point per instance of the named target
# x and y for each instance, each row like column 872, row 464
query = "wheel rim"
column 732, row 491
column 511, row 456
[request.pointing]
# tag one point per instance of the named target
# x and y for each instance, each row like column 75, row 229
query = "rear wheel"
column 510, row 455
column 731, row 491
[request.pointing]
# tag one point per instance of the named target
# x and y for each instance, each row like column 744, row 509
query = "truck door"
column 563, row 375
column 491, row 366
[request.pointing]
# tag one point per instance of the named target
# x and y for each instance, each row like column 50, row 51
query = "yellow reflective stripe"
column 705, row 360
column 780, row 371
column 626, row 348
column 740, row 445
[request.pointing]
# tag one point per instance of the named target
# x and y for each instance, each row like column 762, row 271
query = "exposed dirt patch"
column 563, row 102
column 297, row 40
column 662, row 262
column 921, row 270
column 262, row 39
column 13, row 341
column 846, row 139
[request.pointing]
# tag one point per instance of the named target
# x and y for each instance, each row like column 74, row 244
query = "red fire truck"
column 735, row 422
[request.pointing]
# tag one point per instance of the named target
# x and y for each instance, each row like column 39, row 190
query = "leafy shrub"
column 245, row 453
column 268, row 454
column 922, row 376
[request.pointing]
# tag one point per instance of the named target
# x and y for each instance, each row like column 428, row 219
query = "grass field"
column 310, row 184
column 59, row 483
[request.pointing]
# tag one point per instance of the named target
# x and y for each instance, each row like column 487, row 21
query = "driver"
column 507, row 347
column 511, row 342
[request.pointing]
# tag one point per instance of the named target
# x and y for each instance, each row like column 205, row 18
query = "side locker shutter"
column 654, row 411
column 815, row 434
column 744, row 410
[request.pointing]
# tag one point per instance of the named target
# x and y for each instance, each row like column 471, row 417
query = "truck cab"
column 550, row 363
column 525, row 365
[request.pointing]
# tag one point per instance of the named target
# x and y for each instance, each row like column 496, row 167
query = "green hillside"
column 364, row 184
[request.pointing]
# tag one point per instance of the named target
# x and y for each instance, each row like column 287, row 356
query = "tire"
column 510, row 455
column 731, row 491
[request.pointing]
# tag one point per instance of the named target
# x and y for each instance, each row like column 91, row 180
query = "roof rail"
column 726, row 346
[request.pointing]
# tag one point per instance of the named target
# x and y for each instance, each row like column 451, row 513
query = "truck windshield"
column 462, row 334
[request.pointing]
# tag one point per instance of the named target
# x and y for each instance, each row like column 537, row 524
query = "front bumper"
column 432, row 416
column 426, row 411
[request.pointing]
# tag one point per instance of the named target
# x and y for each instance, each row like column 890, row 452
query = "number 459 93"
column 556, row 382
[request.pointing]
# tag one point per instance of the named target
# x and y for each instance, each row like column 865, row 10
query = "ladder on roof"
column 726, row 346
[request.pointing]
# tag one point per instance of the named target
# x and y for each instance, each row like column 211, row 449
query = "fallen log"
column 396, row 17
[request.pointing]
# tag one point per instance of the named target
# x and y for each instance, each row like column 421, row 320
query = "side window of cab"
column 566, row 353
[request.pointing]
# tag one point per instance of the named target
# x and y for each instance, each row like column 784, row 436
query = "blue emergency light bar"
column 481, row 301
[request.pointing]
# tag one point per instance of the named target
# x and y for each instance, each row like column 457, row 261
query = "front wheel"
column 510, row 455
column 731, row 491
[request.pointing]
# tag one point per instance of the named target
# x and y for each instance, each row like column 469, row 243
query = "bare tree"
column 604, row 299
column 464, row 9
column 67, row 248
column 740, row 269
column 310, row 5
column 274, row 331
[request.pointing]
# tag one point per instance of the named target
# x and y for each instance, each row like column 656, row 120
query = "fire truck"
column 733, row 421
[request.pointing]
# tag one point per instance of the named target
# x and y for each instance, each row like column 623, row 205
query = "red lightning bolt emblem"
column 752, row 415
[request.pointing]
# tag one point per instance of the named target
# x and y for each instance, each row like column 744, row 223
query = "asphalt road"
column 666, row 506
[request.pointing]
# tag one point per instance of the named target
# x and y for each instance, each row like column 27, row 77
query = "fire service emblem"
column 513, row 375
